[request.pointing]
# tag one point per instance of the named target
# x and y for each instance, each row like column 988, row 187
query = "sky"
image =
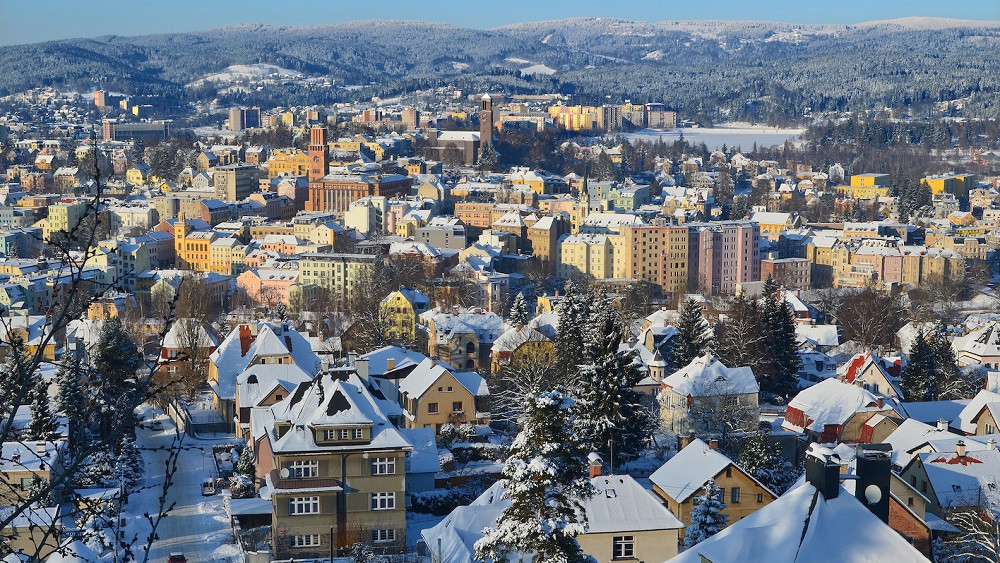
column 29, row 21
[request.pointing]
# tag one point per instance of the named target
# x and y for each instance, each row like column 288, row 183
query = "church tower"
column 486, row 122
column 319, row 158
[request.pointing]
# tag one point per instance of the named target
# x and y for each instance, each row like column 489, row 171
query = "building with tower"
column 486, row 121
column 319, row 156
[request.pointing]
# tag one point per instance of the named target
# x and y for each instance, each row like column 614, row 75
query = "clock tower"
column 319, row 158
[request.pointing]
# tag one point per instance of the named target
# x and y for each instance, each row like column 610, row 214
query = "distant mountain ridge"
column 755, row 69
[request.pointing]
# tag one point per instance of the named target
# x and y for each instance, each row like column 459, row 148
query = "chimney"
column 245, row 339
column 881, row 402
column 361, row 367
column 991, row 444
column 960, row 448
column 942, row 425
column 872, row 487
column 713, row 444
column 823, row 470
column 683, row 441
column 40, row 449
column 595, row 463
column 390, row 364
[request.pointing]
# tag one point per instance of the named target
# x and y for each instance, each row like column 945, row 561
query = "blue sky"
column 27, row 21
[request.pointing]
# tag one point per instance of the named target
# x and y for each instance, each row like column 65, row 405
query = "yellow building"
column 138, row 175
column 433, row 396
column 681, row 479
column 288, row 162
column 863, row 192
column 869, row 179
column 339, row 274
column 521, row 345
column 400, row 310
column 192, row 249
column 576, row 118
column 63, row 217
column 585, row 254
column 227, row 256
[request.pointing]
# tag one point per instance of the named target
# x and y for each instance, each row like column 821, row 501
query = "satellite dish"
column 873, row 494
column 284, row 473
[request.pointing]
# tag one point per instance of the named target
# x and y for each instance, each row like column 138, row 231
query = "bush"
column 465, row 452
column 241, row 486
column 442, row 501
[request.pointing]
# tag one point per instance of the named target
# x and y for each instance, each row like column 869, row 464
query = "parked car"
column 176, row 558
column 207, row 488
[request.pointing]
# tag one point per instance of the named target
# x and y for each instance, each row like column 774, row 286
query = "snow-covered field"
column 240, row 73
column 731, row 134
column 197, row 526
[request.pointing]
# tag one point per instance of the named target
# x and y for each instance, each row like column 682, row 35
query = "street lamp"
column 331, row 544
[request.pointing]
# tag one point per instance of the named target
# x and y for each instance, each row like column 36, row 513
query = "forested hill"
column 756, row 70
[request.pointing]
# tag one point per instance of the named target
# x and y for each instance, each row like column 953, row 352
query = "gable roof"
column 831, row 402
column 803, row 526
column 619, row 505
column 707, row 376
column 687, row 472
column 964, row 481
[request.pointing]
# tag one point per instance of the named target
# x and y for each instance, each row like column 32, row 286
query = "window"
column 383, row 536
column 303, row 505
column 909, row 501
column 729, row 471
column 622, row 547
column 384, row 466
column 303, row 469
column 450, row 388
column 456, row 407
column 307, row 540
column 760, row 498
column 734, row 495
column 383, row 501
column 432, row 408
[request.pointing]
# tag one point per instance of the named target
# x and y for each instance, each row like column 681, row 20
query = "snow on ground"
column 538, row 69
column 730, row 134
column 236, row 73
column 197, row 526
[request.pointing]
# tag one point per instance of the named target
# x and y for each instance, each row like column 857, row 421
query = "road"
column 197, row 526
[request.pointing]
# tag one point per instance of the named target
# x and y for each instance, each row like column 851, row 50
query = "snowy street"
column 197, row 526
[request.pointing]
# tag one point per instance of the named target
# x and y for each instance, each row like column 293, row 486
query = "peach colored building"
column 268, row 286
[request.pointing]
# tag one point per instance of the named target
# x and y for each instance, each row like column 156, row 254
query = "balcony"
column 296, row 485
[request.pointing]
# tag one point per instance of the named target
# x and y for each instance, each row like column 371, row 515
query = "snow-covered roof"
column 240, row 349
column 818, row 335
column 687, row 472
column 707, row 376
column 964, row 419
column 933, row 411
column 830, row 402
column 424, row 457
column 517, row 336
column 981, row 342
column 964, row 481
column 33, row 456
column 487, row 325
column 912, row 434
column 73, row 552
column 330, row 402
column 259, row 380
column 801, row 526
column 429, row 371
column 620, row 505
column 378, row 360
column 183, row 331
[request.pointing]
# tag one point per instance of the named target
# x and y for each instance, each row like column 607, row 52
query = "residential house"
column 334, row 469
column 433, row 395
column 624, row 522
column 400, row 311
column 834, row 411
column 462, row 337
column 682, row 478
column 705, row 396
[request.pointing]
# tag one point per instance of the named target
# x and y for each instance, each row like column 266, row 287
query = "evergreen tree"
column 545, row 480
column 519, row 315
column 762, row 459
column 244, row 465
column 42, row 425
column 707, row 518
column 15, row 380
column 693, row 339
column 950, row 384
column 129, row 465
column 70, row 400
column 569, row 333
column 116, row 361
column 918, row 378
column 782, row 343
column 607, row 407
